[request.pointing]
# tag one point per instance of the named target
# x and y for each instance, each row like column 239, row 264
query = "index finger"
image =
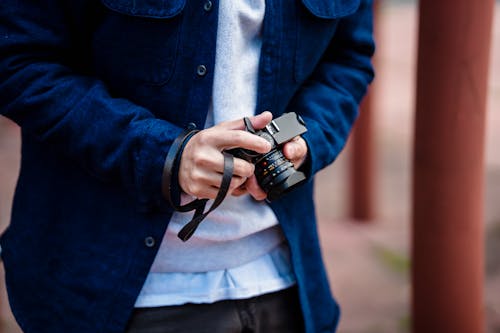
column 242, row 139
column 259, row 121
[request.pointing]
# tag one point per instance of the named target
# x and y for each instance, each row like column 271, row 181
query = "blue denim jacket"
column 101, row 88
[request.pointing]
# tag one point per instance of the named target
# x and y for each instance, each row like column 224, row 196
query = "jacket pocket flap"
column 331, row 9
column 146, row 8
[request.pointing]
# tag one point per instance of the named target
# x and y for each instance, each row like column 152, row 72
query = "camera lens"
column 272, row 169
column 275, row 174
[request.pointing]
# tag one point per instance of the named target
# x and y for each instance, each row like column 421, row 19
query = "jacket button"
column 201, row 70
column 149, row 241
column 208, row 6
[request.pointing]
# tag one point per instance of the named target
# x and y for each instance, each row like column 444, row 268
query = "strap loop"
column 188, row 230
column 170, row 170
column 171, row 163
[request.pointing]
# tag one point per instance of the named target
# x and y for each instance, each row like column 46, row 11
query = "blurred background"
column 368, row 261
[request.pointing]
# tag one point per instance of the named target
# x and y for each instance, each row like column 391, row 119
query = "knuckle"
column 195, row 189
column 203, row 136
column 188, row 188
column 244, row 169
column 235, row 183
column 196, row 177
column 202, row 160
column 250, row 170
column 237, row 136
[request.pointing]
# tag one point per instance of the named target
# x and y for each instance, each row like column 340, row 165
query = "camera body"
column 274, row 172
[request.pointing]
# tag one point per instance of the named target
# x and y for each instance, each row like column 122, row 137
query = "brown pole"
column 362, row 165
column 362, row 199
column 448, row 258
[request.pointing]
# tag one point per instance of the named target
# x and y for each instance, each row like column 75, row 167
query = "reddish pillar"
column 448, row 258
column 362, row 164
column 362, row 200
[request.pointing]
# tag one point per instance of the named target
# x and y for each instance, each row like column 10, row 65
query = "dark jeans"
column 274, row 312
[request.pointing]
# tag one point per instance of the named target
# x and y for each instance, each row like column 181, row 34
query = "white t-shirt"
column 239, row 250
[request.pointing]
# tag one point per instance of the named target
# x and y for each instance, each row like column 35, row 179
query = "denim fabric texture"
column 101, row 88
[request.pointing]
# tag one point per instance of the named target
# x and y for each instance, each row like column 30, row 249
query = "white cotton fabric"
column 238, row 251
column 270, row 273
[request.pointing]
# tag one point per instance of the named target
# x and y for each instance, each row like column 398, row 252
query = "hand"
column 295, row 150
column 202, row 163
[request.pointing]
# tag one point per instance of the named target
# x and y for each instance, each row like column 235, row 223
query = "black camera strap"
column 199, row 215
column 198, row 205
column 171, row 162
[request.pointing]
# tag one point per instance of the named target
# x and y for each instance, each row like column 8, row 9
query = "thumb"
column 295, row 150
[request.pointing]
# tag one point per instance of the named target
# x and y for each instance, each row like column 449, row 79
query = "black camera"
column 274, row 172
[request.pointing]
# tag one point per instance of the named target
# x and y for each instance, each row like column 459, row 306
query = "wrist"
column 170, row 178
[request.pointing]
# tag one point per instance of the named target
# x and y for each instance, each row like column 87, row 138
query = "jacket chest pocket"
column 317, row 21
column 137, row 41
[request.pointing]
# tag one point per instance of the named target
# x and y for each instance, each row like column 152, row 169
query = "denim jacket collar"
column 147, row 8
column 329, row 9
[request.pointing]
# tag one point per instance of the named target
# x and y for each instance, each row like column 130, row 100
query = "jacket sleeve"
column 328, row 100
column 42, row 90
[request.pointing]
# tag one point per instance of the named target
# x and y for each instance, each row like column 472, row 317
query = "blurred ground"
column 367, row 263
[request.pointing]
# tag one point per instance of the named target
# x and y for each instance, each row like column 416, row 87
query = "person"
column 102, row 90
